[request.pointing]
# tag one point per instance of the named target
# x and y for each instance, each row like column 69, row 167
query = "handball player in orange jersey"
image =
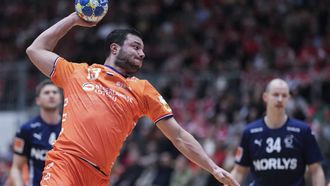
column 102, row 104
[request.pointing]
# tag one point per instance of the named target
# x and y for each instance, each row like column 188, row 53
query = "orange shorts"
column 62, row 169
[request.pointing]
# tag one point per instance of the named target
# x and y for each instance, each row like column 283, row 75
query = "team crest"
column 288, row 141
column 93, row 73
column 52, row 138
column 164, row 103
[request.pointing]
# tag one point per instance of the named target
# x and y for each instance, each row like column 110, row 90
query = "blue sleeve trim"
column 164, row 117
column 54, row 66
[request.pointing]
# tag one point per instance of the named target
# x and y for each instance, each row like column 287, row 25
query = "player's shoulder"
column 135, row 79
column 74, row 64
column 33, row 123
column 296, row 125
column 254, row 127
column 142, row 84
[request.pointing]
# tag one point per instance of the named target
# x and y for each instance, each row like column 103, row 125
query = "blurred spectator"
column 182, row 173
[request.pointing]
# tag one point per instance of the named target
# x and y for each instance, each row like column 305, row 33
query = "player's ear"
column 265, row 97
column 114, row 48
column 37, row 100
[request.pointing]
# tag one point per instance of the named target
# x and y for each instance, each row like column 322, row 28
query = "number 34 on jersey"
column 275, row 144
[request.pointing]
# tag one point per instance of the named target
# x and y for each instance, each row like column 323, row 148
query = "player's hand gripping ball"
column 91, row 10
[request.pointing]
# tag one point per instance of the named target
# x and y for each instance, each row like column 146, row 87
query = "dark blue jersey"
column 278, row 156
column 34, row 140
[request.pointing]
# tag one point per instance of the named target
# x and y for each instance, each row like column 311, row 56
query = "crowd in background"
column 210, row 59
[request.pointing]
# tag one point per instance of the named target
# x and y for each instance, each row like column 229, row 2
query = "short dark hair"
column 118, row 36
column 41, row 85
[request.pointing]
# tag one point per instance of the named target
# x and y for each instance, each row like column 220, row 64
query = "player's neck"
column 275, row 120
column 110, row 62
column 50, row 117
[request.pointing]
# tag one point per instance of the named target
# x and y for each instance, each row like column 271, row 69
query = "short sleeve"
column 242, row 155
column 22, row 145
column 312, row 152
column 156, row 106
column 62, row 71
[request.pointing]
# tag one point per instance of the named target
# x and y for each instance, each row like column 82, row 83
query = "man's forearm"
column 239, row 173
column 189, row 146
column 15, row 177
column 318, row 177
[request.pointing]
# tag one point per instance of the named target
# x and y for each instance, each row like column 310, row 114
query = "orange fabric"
column 61, row 170
column 101, row 108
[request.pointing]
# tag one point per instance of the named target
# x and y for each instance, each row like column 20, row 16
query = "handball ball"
column 91, row 10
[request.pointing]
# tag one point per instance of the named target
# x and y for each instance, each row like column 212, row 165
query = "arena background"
column 210, row 59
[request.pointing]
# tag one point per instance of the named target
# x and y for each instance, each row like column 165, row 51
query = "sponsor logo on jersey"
column 293, row 129
column 47, row 177
column 37, row 136
column 258, row 142
column 275, row 164
column 64, row 117
column 122, row 85
column 19, row 145
column 52, row 138
column 66, row 102
column 36, row 124
column 239, row 154
column 106, row 91
column 50, row 165
column 88, row 87
column 38, row 154
column 256, row 130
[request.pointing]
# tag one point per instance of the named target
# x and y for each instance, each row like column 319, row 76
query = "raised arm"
column 15, row 174
column 189, row 147
column 316, row 173
column 41, row 52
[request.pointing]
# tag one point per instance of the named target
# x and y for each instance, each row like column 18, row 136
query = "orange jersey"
column 101, row 107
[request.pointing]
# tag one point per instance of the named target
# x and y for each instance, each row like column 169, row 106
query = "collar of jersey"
column 43, row 122
column 112, row 68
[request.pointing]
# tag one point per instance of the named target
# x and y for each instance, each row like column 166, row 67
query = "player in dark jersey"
column 36, row 137
column 276, row 148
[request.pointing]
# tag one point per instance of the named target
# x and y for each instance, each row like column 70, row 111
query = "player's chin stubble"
column 127, row 65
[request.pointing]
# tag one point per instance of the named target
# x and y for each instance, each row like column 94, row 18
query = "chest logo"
column 88, row 87
column 37, row 136
column 288, row 141
column 258, row 142
column 93, row 73
column 52, row 138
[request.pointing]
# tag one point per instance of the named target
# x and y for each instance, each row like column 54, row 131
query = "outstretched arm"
column 41, row 52
column 189, row 147
column 15, row 174
column 317, row 175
